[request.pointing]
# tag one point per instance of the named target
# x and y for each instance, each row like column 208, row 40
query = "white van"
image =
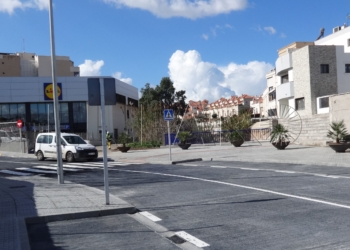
column 73, row 147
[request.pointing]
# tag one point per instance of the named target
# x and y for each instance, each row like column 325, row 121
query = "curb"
column 189, row 160
column 79, row 215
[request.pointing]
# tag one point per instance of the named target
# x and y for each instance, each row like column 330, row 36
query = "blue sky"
column 210, row 48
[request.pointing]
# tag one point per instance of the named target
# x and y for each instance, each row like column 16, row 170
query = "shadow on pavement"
column 17, row 204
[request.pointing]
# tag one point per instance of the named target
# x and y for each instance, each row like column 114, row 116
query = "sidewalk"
column 248, row 152
column 37, row 199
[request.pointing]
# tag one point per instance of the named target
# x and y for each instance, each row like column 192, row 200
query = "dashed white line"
column 287, row 172
column 150, row 216
column 241, row 186
column 218, row 166
column 254, row 169
column 192, row 239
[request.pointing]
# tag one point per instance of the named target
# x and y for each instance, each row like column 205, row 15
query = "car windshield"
column 71, row 139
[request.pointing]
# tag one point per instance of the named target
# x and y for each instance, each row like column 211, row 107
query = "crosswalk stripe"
column 75, row 166
column 37, row 170
column 14, row 173
column 55, row 168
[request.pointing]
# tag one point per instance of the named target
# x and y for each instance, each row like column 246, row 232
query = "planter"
column 123, row 149
column 184, row 145
column 339, row 147
column 237, row 143
column 280, row 145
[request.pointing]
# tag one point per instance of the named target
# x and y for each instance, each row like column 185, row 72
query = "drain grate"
column 176, row 239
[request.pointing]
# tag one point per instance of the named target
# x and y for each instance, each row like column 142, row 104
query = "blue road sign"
column 168, row 114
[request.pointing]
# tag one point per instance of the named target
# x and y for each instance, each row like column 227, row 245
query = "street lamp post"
column 55, row 100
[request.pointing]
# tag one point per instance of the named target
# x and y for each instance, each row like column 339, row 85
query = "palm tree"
column 338, row 131
column 279, row 134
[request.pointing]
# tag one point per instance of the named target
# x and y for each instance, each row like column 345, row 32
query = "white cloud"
column 183, row 8
column 271, row 30
column 205, row 36
column 283, row 35
column 91, row 68
column 10, row 6
column 205, row 80
column 118, row 75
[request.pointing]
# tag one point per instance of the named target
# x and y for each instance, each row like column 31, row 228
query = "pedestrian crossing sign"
column 168, row 114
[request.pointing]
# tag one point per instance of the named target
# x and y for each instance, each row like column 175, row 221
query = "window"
column 47, row 139
column 272, row 112
column 270, row 88
column 347, row 68
column 127, row 114
column 348, row 42
column 284, row 79
column 324, row 68
column 79, row 112
column 324, row 102
column 272, row 96
column 299, row 104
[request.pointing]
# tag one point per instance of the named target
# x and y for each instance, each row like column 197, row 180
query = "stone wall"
column 314, row 130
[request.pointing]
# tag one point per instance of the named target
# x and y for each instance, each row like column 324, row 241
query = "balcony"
column 285, row 90
column 284, row 63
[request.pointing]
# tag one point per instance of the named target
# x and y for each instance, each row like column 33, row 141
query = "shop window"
column 64, row 116
column 300, row 104
column 79, row 112
column 324, row 68
column 347, row 68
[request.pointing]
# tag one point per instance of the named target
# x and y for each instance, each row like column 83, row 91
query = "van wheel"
column 70, row 157
column 40, row 156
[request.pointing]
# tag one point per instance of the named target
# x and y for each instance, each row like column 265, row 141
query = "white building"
column 26, row 94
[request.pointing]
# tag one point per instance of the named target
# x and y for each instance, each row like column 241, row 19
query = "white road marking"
column 55, row 168
column 75, row 166
column 287, row 172
column 254, row 169
column 37, row 171
column 241, row 186
column 218, row 166
column 150, row 216
column 14, row 173
column 192, row 239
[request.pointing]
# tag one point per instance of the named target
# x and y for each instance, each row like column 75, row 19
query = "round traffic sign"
column 19, row 123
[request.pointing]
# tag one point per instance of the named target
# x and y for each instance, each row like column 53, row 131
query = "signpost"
column 168, row 115
column 101, row 92
column 19, row 126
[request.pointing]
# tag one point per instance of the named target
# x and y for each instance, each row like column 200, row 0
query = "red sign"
column 19, row 124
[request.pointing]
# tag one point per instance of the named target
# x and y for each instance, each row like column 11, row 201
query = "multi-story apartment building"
column 32, row 65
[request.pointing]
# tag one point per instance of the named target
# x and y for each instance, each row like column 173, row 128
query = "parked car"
column 73, row 147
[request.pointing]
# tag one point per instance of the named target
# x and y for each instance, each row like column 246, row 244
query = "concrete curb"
column 189, row 160
column 79, row 215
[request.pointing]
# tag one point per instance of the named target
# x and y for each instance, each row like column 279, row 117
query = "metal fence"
column 11, row 138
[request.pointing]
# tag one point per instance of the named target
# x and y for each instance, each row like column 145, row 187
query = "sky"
column 209, row 48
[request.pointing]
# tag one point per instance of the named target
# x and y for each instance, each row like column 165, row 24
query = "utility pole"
column 55, row 100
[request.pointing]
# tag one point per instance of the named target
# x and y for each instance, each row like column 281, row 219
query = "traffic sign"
column 168, row 114
column 19, row 123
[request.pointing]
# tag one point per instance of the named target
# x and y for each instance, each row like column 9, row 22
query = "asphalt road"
column 234, row 205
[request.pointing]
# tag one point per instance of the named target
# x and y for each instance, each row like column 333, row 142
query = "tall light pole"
column 55, row 100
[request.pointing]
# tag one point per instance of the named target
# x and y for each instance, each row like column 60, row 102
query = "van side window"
column 40, row 139
column 50, row 139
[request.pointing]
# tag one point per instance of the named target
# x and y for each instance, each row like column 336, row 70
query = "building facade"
column 26, row 94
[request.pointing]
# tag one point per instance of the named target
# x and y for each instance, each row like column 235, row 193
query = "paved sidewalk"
column 248, row 152
column 37, row 199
